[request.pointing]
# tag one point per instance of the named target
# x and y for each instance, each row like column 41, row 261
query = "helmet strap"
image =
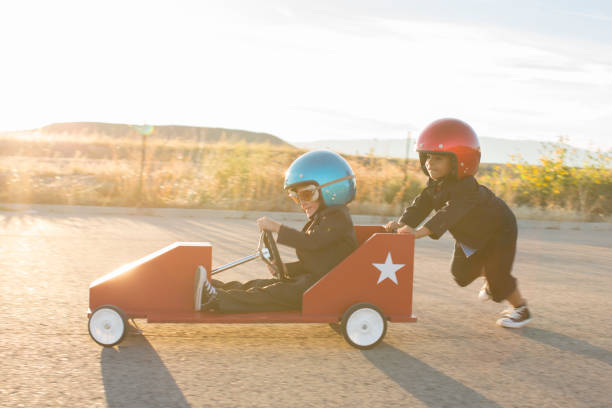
column 336, row 181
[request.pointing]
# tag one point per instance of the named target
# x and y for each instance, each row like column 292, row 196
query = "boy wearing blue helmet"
column 322, row 182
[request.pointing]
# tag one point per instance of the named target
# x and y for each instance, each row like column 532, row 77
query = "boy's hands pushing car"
column 418, row 233
column 268, row 224
column 392, row 225
column 405, row 229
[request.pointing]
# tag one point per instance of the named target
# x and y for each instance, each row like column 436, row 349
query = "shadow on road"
column 424, row 382
column 566, row 343
column 135, row 376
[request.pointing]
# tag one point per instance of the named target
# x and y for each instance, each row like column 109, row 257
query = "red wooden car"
column 371, row 286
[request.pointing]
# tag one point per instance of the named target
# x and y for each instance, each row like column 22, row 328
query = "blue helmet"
column 327, row 170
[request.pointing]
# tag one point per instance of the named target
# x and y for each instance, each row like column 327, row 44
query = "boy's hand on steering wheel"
column 272, row 271
column 268, row 224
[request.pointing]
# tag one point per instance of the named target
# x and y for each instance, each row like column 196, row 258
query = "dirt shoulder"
column 78, row 210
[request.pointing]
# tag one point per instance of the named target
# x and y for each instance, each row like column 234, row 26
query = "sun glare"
column 204, row 64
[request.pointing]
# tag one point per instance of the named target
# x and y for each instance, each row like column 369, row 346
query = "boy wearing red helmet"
column 483, row 226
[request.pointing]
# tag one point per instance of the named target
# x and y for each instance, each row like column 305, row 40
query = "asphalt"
column 453, row 356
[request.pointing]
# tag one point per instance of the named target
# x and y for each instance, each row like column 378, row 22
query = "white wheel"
column 363, row 325
column 107, row 325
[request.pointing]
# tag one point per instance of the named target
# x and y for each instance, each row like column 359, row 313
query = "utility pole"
column 144, row 130
column 408, row 148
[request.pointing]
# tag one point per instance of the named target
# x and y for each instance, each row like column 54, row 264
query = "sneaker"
column 204, row 293
column 516, row 318
column 485, row 294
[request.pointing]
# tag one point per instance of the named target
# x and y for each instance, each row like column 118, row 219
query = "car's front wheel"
column 107, row 325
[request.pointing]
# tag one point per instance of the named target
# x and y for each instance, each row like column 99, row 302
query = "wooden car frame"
column 371, row 286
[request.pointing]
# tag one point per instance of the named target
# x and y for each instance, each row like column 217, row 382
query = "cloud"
column 590, row 16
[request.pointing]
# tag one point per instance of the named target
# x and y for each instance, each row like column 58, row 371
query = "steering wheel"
column 268, row 251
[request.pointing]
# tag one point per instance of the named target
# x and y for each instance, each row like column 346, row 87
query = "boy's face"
column 438, row 165
column 309, row 206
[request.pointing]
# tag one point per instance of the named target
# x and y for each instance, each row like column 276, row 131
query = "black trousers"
column 261, row 295
column 494, row 261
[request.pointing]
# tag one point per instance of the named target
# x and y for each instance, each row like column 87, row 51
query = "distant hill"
column 199, row 134
column 494, row 150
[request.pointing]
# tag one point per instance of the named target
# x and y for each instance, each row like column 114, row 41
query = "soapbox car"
column 371, row 286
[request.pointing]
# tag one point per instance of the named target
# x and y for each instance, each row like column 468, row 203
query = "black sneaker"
column 204, row 293
column 515, row 318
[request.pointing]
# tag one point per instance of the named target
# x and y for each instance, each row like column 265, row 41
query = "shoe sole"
column 511, row 324
column 198, row 282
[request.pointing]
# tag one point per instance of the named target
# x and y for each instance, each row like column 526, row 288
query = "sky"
column 311, row 70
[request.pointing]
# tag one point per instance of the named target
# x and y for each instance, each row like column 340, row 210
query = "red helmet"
column 453, row 137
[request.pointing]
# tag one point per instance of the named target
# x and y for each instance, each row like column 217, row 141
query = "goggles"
column 311, row 192
column 306, row 194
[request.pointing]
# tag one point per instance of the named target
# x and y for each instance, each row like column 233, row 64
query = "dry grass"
column 101, row 170
column 98, row 170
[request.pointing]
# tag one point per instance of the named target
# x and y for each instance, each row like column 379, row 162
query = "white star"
column 388, row 269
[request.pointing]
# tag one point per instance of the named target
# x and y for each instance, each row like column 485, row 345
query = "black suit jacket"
column 471, row 212
column 326, row 239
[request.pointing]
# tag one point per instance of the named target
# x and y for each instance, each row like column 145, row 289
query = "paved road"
column 454, row 356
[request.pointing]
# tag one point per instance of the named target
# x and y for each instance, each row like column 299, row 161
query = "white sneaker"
column 518, row 317
column 198, row 283
column 204, row 293
column 484, row 294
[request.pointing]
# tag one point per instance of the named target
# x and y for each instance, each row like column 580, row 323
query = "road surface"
column 453, row 356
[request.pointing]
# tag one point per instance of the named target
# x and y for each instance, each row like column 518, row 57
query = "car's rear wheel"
column 363, row 325
column 107, row 325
